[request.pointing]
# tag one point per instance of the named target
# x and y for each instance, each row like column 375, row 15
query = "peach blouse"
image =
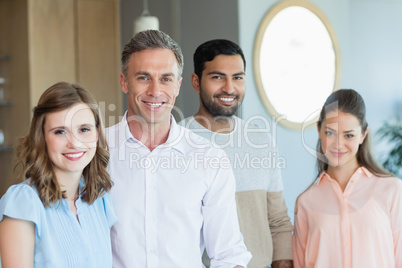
column 360, row 227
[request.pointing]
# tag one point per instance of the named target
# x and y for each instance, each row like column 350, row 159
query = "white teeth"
column 226, row 99
column 74, row 155
column 154, row 104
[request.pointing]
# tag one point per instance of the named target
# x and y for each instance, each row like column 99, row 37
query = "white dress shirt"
column 173, row 202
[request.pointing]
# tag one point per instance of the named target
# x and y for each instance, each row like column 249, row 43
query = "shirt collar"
column 123, row 132
column 175, row 138
column 362, row 170
column 236, row 122
column 176, row 134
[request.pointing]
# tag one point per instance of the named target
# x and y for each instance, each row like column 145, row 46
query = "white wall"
column 370, row 43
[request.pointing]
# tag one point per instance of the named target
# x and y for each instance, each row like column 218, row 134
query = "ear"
column 195, row 82
column 364, row 136
column 179, row 86
column 123, row 83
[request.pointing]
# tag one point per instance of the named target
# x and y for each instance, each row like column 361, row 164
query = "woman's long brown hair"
column 32, row 156
column 349, row 101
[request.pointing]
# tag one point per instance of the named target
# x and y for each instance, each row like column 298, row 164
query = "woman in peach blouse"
column 352, row 215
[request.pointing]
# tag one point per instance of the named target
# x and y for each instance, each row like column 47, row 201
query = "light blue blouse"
column 60, row 239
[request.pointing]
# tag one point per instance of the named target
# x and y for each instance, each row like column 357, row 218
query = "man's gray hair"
column 150, row 39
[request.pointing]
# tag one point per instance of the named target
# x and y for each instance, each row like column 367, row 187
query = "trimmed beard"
column 214, row 108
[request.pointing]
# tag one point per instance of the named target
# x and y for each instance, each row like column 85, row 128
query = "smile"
column 154, row 104
column 337, row 154
column 227, row 99
column 74, row 156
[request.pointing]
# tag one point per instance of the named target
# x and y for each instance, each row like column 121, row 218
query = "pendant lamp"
column 146, row 21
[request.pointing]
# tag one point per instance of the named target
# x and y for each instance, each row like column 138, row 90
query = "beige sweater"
column 261, row 206
column 265, row 226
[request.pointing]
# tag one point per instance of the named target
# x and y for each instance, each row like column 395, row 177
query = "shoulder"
column 390, row 184
column 193, row 139
column 112, row 129
column 115, row 135
column 111, row 132
column 309, row 195
column 251, row 131
column 187, row 122
column 197, row 147
column 21, row 201
column 105, row 202
column 21, row 191
column 193, row 125
column 391, row 181
column 388, row 190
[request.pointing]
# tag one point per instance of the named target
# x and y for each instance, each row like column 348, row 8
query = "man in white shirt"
column 173, row 193
column 219, row 79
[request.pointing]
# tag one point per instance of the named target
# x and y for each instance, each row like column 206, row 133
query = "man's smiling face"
column 222, row 85
column 152, row 84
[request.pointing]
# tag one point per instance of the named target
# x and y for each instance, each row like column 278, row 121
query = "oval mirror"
column 296, row 62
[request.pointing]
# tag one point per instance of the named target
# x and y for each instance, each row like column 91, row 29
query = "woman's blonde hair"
column 32, row 156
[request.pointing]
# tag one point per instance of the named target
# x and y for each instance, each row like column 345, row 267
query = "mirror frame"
column 272, row 12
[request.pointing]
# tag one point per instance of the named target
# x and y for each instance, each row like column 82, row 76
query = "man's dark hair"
column 210, row 49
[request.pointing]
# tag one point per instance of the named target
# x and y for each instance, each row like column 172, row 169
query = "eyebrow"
column 347, row 131
column 59, row 127
column 148, row 74
column 223, row 74
column 64, row 127
column 141, row 73
column 168, row 74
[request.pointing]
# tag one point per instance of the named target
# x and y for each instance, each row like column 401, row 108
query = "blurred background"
column 46, row 41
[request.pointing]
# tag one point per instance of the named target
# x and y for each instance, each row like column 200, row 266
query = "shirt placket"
column 345, row 229
column 76, row 227
column 344, row 224
column 81, row 212
column 347, row 194
column 150, row 215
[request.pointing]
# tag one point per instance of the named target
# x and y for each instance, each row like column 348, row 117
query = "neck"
column 150, row 134
column 69, row 184
column 219, row 124
column 343, row 174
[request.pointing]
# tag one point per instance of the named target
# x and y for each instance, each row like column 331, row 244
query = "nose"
column 154, row 88
column 339, row 142
column 73, row 141
column 228, row 86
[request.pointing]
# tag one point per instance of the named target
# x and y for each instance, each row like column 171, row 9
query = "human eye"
column 143, row 78
column 329, row 133
column 238, row 78
column 167, row 79
column 349, row 136
column 85, row 129
column 59, row 132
